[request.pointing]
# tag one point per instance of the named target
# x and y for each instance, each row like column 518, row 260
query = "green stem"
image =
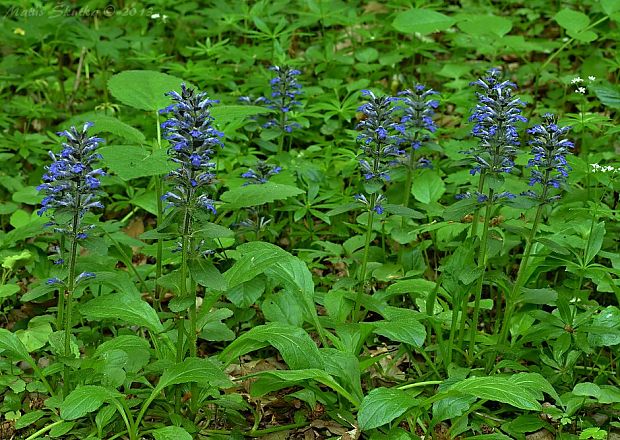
column 482, row 262
column 407, row 196
column 420, row 384
column 44, row 430
column 160, row 241
column 476, row 219
column 520, row 281
column 69, row 293
column 362, row 288
column 127, row 261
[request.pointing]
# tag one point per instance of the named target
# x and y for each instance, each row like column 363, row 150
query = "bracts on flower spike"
column 495, row 117
column 548, row 165
column 193, row 140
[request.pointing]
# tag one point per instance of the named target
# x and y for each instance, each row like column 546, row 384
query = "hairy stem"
column 482, row 262
column 362, row 288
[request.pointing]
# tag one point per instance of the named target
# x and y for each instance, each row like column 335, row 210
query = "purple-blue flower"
column 496, row 117
column 260, row 173
column 548, row 163
column 285, row 91
column 193, row 140
column 419, row 109
column 379, row 138
column 71, row 182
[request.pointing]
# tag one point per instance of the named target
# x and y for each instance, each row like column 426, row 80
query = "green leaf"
column 422, row 21
column 256, row 257
column 202, row 371
column 536, row 383
column 10, row 342
column 256, row 195
column 605, row 328
column 486, row 24
column 207, row 275
column 297, row 280
column 537, row 296
column 212, row 328
column 28, row 419
column 608, row 94
column 8, row 290
column 280, row 307
column 247, row 293
column 382, row 405
column 14, row 261
column 297, row 348
column 583, row 36
column 597, row 234
column 61, row 429
column 428, row 187
column 499, row 389
column 587, row 389
column 108, row 124
column 144, row 89
column 85, row 399
column 610, row 6
column 409, row 331
column 130, row 162
column 37, row 333
column 235, row 114
column 171, row 433
column 451, row 407
column 128, row 308
column 275, row 380
column 137, row 349
column 572, row 20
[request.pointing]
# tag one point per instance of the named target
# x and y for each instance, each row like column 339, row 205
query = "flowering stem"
column 520, row 281
column 371, row 214
column 68, row 294
column 475, row 220
column 160, row 242
column 281, row 138
column 407, row 196
column 482, row 262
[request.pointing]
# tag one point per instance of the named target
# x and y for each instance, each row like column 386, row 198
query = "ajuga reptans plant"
column 380, row 135
column 193, row 141
column 549, row 171
column 71, row 188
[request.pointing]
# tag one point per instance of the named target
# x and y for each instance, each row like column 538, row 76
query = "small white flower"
column 576, row 80
column 156, row 16
column 592, row 78
column 596, row 168
column 581, row 90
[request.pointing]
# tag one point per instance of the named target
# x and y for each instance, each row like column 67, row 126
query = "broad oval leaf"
column 144, row 89
column 233, row 114
column 408, row 330
column 423, row 21
column 499, row 389
column 128, row 308
column 85, row 399
column 130, row 161
column 572, row 20
column 295, row 345
column 171, row 433
column 11, row 343
column 485, row 25
column 382, row 405
column 108, row 124
column 256, row 195
column 202, row 371
column 269, row 381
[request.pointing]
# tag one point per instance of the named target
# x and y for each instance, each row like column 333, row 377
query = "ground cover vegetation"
column 309, row 219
